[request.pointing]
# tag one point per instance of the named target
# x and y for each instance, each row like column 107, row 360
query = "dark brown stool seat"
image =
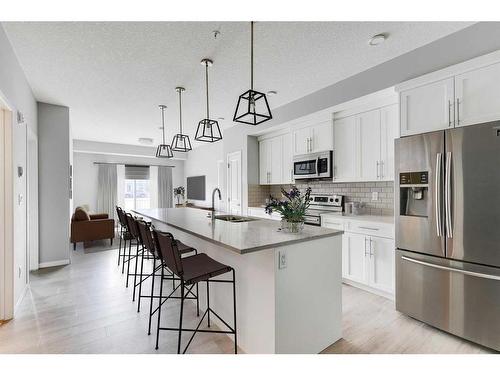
column 201, row 267
column 183, row 249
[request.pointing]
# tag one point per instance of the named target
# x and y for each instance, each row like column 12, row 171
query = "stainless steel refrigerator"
column 447, row 195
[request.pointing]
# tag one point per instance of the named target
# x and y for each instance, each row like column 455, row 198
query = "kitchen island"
column 288, row 285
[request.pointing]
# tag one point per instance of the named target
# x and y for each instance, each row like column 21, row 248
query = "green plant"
column 293, row 207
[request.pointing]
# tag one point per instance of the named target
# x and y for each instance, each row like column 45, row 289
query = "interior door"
column 474, row 156
column 382, row 263
column 369, row 145
column 427, row 108
column 234, row 182
column 344, row 149
column 418, row 231
column 478, row 96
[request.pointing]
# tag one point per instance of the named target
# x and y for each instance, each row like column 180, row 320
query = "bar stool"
column 134, row 233
column 124, row 235
column 192, row 270
column 149, row 244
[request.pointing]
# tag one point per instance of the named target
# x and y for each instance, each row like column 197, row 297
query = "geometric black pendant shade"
column 181, row 142
column 208, row 130
column 163, row 150
column 252, row 107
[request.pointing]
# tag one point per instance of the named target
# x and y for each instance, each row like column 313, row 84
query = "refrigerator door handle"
column 447, row 195
column 464, row 272
column 439, row 224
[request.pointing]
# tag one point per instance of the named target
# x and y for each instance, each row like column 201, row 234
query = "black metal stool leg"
column 128, row 261
column 234, row 307
column 159, row 310
column 197, row 302
column 135, row 270
column 124, row 255
column 180, row 319
column 208, row 303
column 140, row 281
column 152, row 293
column 120, row 246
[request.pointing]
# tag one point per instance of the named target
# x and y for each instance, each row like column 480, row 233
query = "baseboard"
column 369, row 289
column 54, row 263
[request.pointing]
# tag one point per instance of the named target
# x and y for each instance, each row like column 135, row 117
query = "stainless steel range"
column 322, row 204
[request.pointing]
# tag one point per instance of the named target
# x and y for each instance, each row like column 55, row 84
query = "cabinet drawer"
column 370, row 228
column 332, row 223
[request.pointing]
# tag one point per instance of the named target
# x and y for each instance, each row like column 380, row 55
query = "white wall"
column 54, row 135
column 85, row 174
column 202, row 161
column 16, row 93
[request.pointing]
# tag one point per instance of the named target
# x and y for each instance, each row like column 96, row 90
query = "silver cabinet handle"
column 365, row 246
column 458, row 111
column 381, row 169
column 371, row 248
column 369, row 228
column 447, row 195
column 449, row 113
column 437, row 188
column 464, row 272
column 378, row 174
column 311, row 144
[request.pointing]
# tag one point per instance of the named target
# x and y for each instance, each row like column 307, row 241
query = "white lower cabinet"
column 368, row 260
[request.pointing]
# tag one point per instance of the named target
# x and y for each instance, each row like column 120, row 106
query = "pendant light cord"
column 180, row 111
column 251, row 55
column 163, row 122
column 206, row 81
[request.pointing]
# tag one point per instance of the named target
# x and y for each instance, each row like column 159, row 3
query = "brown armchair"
column 85, row 227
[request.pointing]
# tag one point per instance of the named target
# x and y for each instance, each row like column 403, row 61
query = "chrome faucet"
column 212, row 209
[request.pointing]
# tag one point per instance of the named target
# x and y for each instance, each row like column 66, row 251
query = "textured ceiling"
column 113, row 75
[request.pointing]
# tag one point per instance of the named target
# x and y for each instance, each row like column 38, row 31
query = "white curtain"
column 106, row 189
column 165, row 188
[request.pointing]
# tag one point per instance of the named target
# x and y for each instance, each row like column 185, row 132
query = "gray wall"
column 54, row 161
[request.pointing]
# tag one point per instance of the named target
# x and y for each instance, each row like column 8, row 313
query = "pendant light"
column 163, row 150
column 208, row 130
column 181, row 142
column 252, row 107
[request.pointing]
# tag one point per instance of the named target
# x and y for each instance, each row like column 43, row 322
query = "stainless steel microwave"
column 317, row 165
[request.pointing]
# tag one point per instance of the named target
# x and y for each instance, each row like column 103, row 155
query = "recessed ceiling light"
column 272, row 92
column 377, row 39
column 146, row 141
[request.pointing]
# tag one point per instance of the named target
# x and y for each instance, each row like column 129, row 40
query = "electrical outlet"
column 282, row 260
column 374, row 195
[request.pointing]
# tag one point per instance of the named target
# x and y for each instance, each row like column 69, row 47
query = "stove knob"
column 331, row 199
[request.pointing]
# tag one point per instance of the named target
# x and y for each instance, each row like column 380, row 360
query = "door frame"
column 228, row 181
column 32, row 242
column 6, row 212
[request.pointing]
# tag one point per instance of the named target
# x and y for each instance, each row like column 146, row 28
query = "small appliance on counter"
column 322, row 204
column 313, row 166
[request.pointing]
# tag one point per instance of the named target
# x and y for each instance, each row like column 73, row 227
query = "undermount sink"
column 234, row 218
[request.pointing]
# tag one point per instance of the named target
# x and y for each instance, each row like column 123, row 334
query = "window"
column 137, row 188
column 137, row 194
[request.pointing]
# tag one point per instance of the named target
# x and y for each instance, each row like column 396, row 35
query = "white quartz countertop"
column 242, row 238
column 373, row 218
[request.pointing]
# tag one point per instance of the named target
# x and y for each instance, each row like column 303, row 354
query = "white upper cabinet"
column 369, row 145
column 301, row 141
column 344, row 148
column 389, row 125
column 287, row 160
column 313, row 138
column 322, row 136
column 275, row 160
column 477, row 96
column 427, row 108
